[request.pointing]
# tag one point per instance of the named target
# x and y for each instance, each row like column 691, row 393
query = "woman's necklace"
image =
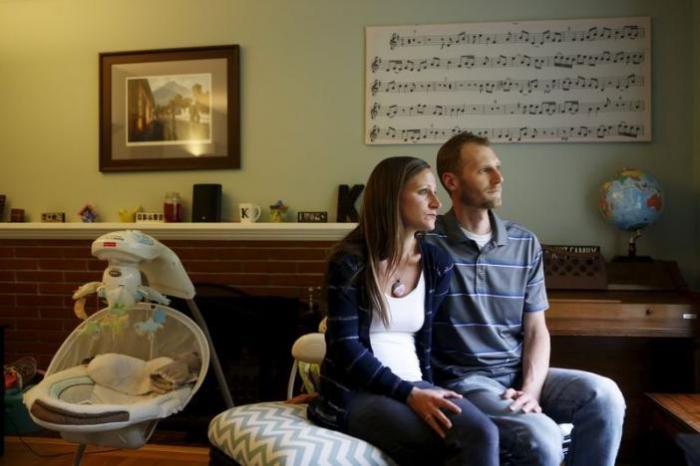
column 398, row 289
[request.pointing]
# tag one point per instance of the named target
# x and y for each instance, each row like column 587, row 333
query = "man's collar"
column 498, row 228
column 452, row 228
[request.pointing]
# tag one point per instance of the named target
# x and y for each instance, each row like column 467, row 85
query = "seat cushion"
column 277, row 433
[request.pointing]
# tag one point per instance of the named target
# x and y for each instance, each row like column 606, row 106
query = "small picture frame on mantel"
column 312, row 217
column 170, row 109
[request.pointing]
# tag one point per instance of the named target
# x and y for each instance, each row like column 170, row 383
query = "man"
column 490, row 339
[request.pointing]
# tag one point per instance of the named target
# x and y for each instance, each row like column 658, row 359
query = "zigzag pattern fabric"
column 279, row 434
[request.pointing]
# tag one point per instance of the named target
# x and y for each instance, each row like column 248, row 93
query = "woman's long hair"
column 380, row 228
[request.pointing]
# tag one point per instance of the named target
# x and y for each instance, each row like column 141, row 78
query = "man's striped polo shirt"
column 479, row 328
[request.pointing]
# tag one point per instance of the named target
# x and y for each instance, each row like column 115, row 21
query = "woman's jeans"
column 396, row 429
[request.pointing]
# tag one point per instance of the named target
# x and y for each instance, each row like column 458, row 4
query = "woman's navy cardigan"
column 350, row 365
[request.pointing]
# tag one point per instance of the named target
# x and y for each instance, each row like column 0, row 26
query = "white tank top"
column 395, row 346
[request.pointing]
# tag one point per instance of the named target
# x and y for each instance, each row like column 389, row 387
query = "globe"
column 631, row 200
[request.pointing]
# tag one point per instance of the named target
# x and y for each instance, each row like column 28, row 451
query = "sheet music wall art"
column 534, row 81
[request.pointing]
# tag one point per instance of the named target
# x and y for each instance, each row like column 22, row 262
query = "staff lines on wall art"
column 561, row 80
column 570, row 107
column 502, row 61
column 595, row 33
column 519, row 134
column 508, row 84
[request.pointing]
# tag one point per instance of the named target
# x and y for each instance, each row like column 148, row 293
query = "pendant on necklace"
column 398, row 289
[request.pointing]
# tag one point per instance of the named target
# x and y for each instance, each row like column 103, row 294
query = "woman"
column 384, row 286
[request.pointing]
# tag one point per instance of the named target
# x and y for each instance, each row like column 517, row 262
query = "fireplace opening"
column 253, row 336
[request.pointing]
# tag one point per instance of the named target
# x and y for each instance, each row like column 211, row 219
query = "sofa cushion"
column 277, row 433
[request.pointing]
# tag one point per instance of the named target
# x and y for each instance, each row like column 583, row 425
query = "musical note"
column 523, row 86
column 374, row 133
column 510, row 134
column 393, row 41
column 566, row 107
column 629, row 32
column 375, row 110
column 507, row 61
column 376, row 64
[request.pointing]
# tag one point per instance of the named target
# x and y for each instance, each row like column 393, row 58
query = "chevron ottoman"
column 279, row 434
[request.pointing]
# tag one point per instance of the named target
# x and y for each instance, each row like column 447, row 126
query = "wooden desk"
column 645, row 341
column 622, row 314
column 674, row 420
column 681, row 409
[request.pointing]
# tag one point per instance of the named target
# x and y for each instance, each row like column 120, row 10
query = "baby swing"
column 132, row 363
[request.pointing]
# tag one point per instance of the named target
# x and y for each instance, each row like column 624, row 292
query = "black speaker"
column 206, row 203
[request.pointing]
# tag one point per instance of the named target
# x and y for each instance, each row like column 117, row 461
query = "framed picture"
column 172, row 109
column 312, row 217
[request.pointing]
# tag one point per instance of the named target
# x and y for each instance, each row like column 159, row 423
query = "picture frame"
column 149, row 217
column 53, row 217
column 170, row 109
column 312, row 217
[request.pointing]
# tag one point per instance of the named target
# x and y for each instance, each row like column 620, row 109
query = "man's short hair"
column 448, row 157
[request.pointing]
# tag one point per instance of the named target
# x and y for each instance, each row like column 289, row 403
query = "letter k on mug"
column 249, row 213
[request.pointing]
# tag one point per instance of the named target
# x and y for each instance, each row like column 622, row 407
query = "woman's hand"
column 426, row 402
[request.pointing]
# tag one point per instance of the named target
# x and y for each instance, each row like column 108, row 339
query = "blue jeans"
column 594, row 404
column 690, row 443
column 397, row 430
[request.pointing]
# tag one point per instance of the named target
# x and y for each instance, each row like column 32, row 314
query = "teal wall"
column 302, row 109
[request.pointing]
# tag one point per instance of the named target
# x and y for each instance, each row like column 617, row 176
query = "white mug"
column 250, row 213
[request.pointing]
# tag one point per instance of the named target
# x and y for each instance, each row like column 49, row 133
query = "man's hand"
column 522, row 401
column 426, row 402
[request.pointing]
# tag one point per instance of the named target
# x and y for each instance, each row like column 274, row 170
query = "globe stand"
column 632, row 251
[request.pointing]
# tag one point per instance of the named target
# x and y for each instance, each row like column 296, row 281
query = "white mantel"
column 183, row 231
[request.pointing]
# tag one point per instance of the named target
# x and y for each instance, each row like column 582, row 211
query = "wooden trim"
column 183, row 231
column 182, row 453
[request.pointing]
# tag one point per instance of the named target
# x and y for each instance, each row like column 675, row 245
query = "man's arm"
column 536, row 349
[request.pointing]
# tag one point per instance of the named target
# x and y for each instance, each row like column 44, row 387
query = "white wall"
column 302, row 109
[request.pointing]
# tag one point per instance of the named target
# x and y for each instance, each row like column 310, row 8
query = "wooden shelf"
column 184, row 231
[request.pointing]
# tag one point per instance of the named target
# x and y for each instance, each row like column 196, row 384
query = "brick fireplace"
column 38, row 276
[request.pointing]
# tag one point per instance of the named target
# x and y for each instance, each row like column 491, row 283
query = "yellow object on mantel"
column 233, row 231
column 129, row 216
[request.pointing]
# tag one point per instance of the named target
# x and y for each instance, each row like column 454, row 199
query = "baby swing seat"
column 109, row 401
column 132, row 363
